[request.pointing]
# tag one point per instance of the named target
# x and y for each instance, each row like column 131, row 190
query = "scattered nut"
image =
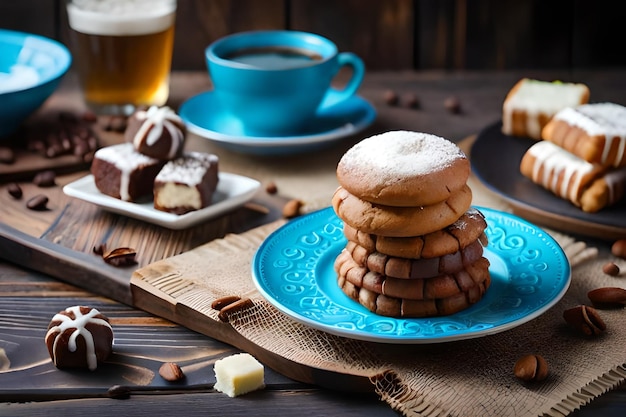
column 453, row 105
column 585, row 319
column 610, row 268
column 222, row 302
column 608, row 297
column 120, row 257
column 37, row 203
column 7, row 156
column 231, row 308
column 45, row 179
column 292, row 208
column 391, row 98
column 15, row 190
column 531, row 368
column 171, row 372
column 411, row 101
column 271, row 188
column 619, row 248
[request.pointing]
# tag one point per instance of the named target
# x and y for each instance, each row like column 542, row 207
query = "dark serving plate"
column 495, row 160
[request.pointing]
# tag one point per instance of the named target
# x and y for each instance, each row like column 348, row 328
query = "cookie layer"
column 406, row 268
column 441, row 286
column 404, row 169
column 400, row 221
column 468, row 228
column 402, row 307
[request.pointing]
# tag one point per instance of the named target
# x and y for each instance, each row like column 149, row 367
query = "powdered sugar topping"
column 400, row 153
column 188, row 169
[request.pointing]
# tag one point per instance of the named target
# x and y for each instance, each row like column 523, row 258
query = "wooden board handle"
column 77, row 268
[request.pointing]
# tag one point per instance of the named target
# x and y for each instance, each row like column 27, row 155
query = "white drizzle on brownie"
column 125, row 158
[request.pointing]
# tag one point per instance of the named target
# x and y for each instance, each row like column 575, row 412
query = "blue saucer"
column 203, row 117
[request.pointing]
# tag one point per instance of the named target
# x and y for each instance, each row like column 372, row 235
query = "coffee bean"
column 100, row 249
column 45, row 179
column 37, row 145
column 116, row 124
column 89, row 116
column 92, row 141
column 81, row 148
column 7, row 156
column 37, row 203
column 67, row 116
column 411, row 101
column 15, row 190
column 88, row 157
column 62, row 136
column 54, row 151
column 271, row 187
column 391, row 98
column 453, row 105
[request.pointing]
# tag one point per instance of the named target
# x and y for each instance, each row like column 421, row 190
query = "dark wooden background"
column 393, row 34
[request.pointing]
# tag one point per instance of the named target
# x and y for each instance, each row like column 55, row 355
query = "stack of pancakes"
column 415, row 244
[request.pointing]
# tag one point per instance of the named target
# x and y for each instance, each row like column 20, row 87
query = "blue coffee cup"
column 274, row 82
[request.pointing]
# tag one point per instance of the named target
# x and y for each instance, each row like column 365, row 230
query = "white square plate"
column 232, row 191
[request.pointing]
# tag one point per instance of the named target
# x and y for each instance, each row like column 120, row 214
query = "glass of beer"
column 123, row 52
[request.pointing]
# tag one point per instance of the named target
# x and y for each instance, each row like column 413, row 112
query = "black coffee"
column 275, row 57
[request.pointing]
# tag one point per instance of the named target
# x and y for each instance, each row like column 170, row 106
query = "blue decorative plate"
column 203, row 116
column 293, row 269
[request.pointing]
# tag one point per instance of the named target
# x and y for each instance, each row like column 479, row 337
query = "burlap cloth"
column 463, row 378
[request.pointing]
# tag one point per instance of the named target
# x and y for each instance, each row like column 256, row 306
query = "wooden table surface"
column 28, row 299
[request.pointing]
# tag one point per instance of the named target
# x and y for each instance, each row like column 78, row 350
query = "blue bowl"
column 31, row 68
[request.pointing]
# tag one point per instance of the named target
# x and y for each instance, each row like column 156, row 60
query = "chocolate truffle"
column 79, row 337
column 157, row 132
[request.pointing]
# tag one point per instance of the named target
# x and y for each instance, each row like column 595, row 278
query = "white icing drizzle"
column 557, row 161
column 126, row 159
column 155, row 119
column 78, row 323
column 540, row 97
column 600, row 119
column 616, row 184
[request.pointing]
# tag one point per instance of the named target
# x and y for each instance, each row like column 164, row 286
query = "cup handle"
column 334, row 96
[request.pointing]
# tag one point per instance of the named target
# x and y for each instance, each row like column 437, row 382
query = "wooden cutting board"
column 60, row 241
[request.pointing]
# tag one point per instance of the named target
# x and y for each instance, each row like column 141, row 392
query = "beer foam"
column 121, row 17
